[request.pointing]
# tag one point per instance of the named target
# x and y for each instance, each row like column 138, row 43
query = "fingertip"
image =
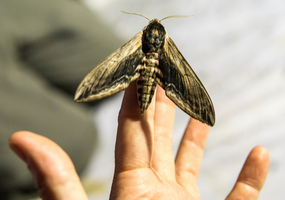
column 31, row 144
column 197, row 132
column 161, row 97
column 17, row 143
column 14, row 138
column 256, row 167
column 252, row 176
column 51, row 167
column 198, row 124
column 37, row 150
column 260, row 153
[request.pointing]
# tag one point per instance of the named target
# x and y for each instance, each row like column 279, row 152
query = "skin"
column 144, row 165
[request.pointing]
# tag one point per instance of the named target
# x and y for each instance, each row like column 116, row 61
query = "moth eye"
column 139, row 90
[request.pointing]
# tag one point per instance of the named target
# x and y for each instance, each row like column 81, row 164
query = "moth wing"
column 114, row 74
column 182, row 85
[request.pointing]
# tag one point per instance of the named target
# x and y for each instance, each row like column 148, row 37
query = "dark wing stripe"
column 101, row 77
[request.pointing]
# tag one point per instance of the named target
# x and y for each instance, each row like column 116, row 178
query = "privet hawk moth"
column 151, row 58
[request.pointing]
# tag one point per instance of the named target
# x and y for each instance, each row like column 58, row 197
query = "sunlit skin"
column 135, row 178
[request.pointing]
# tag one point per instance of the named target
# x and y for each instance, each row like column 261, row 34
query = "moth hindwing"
column 151, row 58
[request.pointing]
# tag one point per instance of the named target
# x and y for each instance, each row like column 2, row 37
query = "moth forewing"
column 183, row 86
column 113, row 74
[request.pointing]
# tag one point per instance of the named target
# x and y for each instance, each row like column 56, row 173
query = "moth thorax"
column 146, row 84
column 153, row 37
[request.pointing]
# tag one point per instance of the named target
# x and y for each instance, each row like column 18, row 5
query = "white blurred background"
column 237, row 48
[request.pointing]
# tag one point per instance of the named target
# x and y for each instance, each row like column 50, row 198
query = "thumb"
column 51, row 167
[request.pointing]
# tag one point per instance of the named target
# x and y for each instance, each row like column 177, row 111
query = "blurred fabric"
column 46, row 49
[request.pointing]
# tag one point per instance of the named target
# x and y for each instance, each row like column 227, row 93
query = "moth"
column 150, row 58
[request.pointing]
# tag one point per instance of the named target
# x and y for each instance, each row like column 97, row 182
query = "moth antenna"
column 133, row 13
column 175, row 16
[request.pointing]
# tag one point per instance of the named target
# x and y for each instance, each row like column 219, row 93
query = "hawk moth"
column 151, row 58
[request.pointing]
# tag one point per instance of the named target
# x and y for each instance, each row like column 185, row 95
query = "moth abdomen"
column 146, row 82
column 145, row 93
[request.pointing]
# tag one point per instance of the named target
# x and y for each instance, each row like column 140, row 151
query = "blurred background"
column 237, row 49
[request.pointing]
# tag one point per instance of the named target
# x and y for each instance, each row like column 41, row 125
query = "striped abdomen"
column 146, row 82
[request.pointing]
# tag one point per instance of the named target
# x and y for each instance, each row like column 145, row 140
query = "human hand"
column 145, row 168
column 135, row 177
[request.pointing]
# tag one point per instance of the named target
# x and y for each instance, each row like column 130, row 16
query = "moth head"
column 153, row 36
column 154, row 33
